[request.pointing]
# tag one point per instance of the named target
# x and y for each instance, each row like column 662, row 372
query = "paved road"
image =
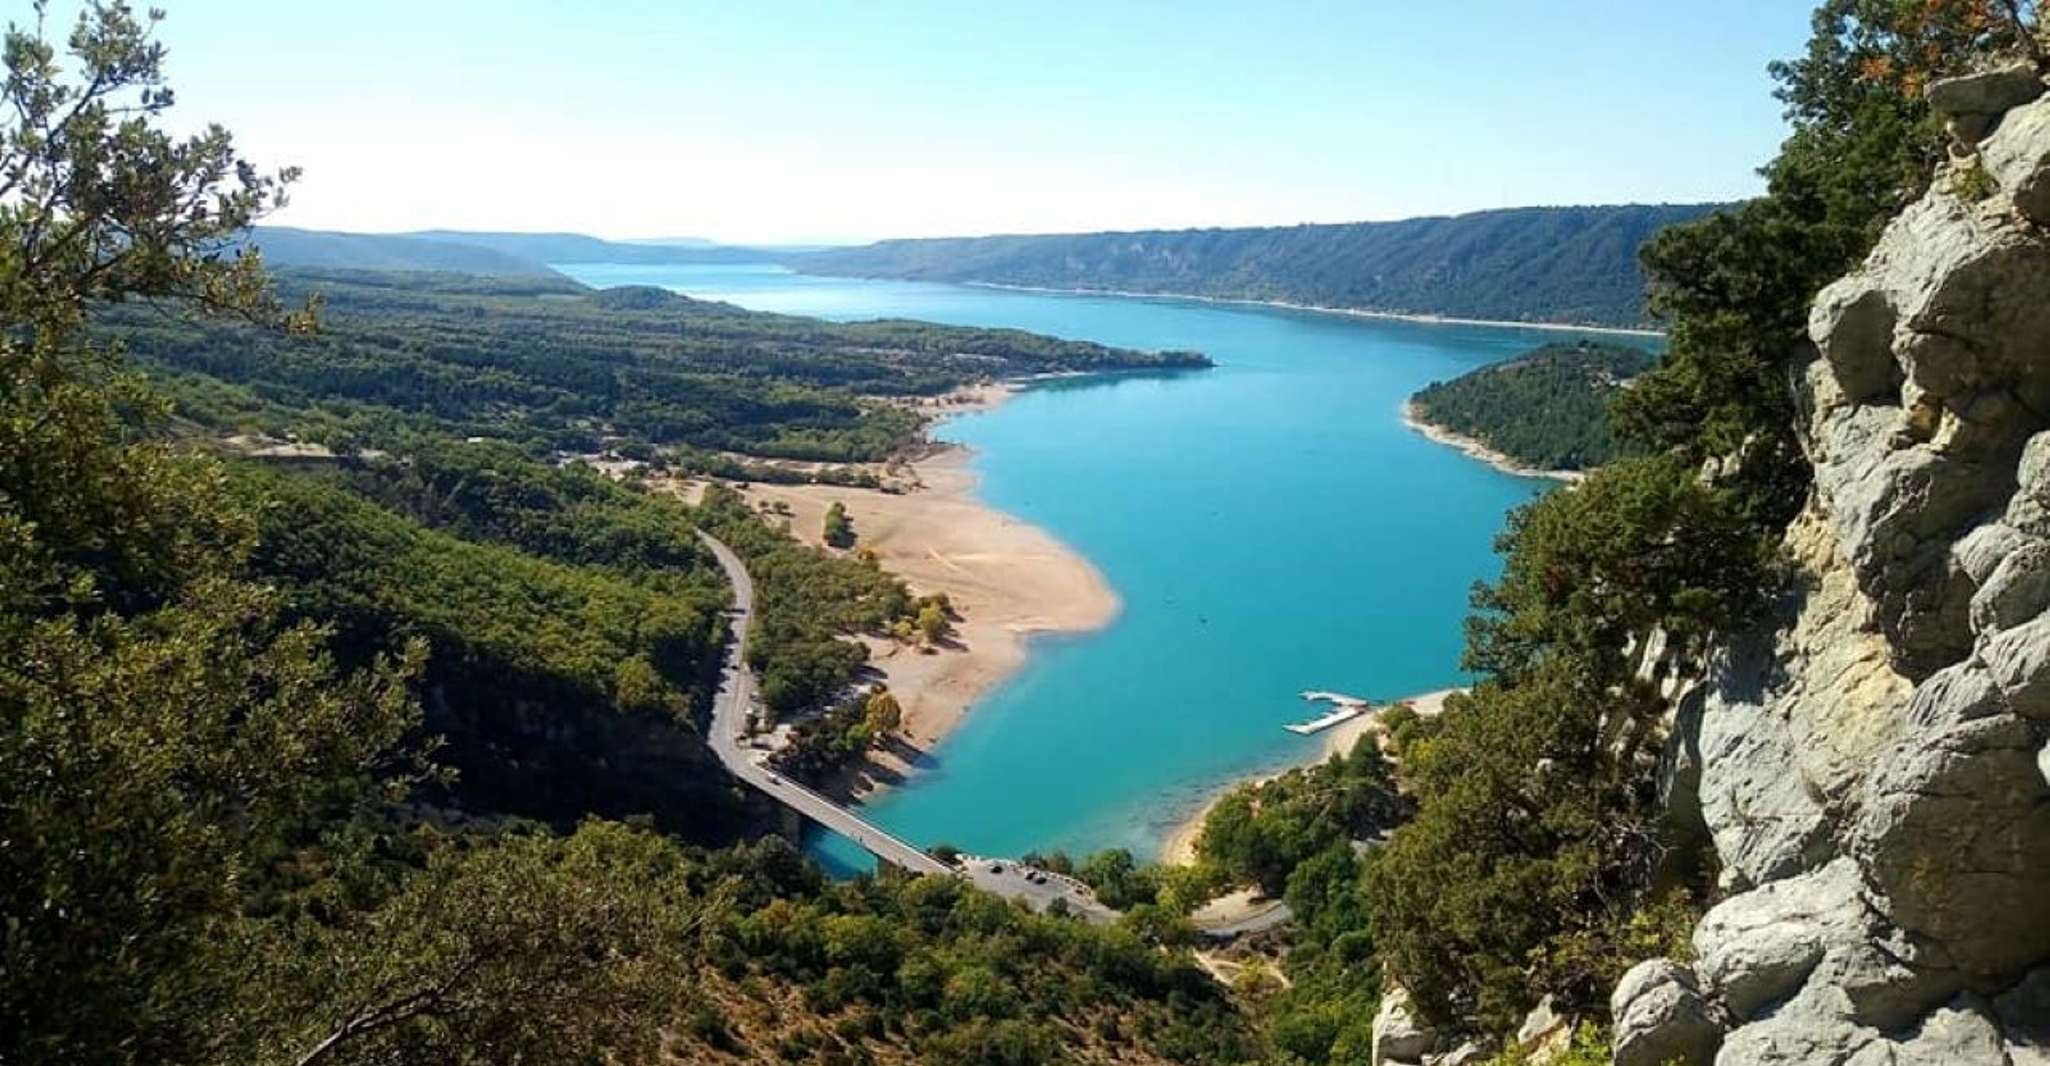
column 1036, row 888
column 736, row 701
column 730, row 710
column 1260, row 921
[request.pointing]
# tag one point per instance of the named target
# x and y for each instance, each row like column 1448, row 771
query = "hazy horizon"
column 817, row 125
column 688, row 240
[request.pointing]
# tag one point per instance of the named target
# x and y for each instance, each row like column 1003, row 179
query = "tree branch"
column 2025, row 33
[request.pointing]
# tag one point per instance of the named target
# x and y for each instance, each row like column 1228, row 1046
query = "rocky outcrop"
column 1399, row 1035
column 1544, row 1035
column 1872, row 768
column 1661, row 1017
column 1401, row 1038
column 1470, row 1053
column 1973, row 103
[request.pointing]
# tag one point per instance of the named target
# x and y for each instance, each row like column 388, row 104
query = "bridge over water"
column 735, row 704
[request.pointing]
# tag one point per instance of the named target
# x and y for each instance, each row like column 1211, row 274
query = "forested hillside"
column 545, row 248
column 273, row 730
column 548, row 365
column 1547, row 409
column 1545, row 859
column 467, row 252
column 572, row 621
column 389, row 759
column 570, row 625
column 326, row 250
column 1536, row 264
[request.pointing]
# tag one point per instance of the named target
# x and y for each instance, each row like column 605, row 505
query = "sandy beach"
column 1481, row 451
column 1179, row 847
column 1007, row 579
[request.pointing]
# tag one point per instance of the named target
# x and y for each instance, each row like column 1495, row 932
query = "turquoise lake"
column 1270, row 525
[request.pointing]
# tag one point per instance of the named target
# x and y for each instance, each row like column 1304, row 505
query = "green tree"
column 1535, row 839
column 839, row 530
column 1548, row 407
column 1261, row 833
column 1116, row 878
column 933, row 623
column 532, row 948
column 1530, row 838
column 637, row 686
column 161, row 730
column 882, row 712
column 183, row 777
column 1641, row 544
column 1734, row 288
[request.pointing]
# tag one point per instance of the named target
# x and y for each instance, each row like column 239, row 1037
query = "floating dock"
column 1347, row 709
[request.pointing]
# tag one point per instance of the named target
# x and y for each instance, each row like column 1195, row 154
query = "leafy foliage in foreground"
column 169, row 745
column 1530, row 867
column 1520, row 874
column 563, row 681
column 1548, row 408
column 1642, row 544
column 934, row 971
column 1538, row 830
column 1734, row 288
column 203, row 862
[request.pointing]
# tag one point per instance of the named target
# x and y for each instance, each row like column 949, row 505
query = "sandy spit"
column 1008, row 579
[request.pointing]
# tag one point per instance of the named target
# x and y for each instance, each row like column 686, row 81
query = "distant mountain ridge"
column 546, row 248
column 284, row 246
column 1574, row 265
column 1532, row 264
column 487, row 254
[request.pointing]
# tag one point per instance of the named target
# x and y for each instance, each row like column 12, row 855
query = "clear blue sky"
column 760, row 121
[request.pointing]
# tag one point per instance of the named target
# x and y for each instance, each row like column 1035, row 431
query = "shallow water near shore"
column 1270, row 525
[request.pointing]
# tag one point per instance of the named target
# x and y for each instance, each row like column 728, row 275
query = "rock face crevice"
column 1872, row 766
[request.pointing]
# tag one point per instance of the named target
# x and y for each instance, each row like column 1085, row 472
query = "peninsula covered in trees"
column 546, row 364
column 1547, row 409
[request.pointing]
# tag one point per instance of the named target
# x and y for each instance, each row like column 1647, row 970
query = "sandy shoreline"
column 1392, row 316
column 1179, row 847
column 1008, row 579
column 1479, row 450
